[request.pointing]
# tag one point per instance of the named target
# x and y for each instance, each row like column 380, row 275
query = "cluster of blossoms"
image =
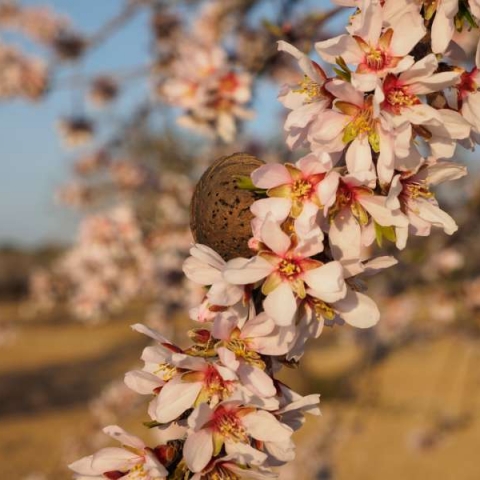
column 199, row 78
column 114, row 263
column 125, row 253
column 379, row 135
column 221, row 413
column 108, row 266
column 115, row 176
column 21, row 75
column 29, row 76
column 39, row 23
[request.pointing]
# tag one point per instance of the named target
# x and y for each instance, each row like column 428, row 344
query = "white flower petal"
column 119, row 434
column 327, row 282
column 111, row 458
column 253, row 271
column 280, row 305
column 358, row 310
column 271, row 175
column 175, row 398
column 142, row 382
column 198, row 450
column 264, row 426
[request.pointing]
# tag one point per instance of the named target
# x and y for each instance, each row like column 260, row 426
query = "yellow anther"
column 401, row 99
column 418, row 189
column 375, row 59
column 166, row 371
column 288, row 268
column 137, row 472
column 240, row 349
column 301, row 189
column 311, row 89
column 322, row 309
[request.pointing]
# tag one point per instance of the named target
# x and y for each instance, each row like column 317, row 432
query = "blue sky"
column 34, row 163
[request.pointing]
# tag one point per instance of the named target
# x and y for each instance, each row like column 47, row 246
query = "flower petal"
column 253, row 271
column 327, row 282
column 281, row 305
column 198, row 450
column 358, row 310
column 265, row 427
column 271, row 175
column 175, row 398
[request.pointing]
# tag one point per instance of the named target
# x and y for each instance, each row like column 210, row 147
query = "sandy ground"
column 411, row 416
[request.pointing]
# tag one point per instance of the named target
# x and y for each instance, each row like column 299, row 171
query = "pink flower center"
column 214, row 383
column 228, row 424
column 312, row 90
column 376, row 59
column 413, row 189
column 467, row 84
column 397, row 96
column 229, row 83
column 289, row 269
column 302, row 189
column 345, row 195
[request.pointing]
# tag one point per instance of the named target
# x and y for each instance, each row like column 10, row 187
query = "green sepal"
column 343, row 71
column 350, row 133
column 275, row 30
column 217, row 443
column 374, row 140
column 464, row 15
column 384, row 232
column 244, row 182
column 152, row 424
column 359, row 213
column 341, row 74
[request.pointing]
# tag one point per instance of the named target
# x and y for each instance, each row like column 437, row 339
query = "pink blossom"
column 231, row 425
column 132, row 461
column 411, row 192
column 287, row 268
column 307, row 100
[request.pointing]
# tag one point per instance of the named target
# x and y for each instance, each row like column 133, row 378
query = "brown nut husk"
column 220, row 210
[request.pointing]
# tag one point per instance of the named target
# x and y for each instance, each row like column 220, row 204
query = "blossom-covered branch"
column 379, row 133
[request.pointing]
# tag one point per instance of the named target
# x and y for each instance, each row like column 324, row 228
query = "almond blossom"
column 287, row 268
column 212, row 91
column 353, row 216
column 296, row 186
column 205, row 267
column 373, row 50
column 232, row 426
column 133, row 460
column 306, row 100
column 411, row 192
column 352, row 124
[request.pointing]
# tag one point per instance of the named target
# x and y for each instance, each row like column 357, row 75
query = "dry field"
column 372, row 417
